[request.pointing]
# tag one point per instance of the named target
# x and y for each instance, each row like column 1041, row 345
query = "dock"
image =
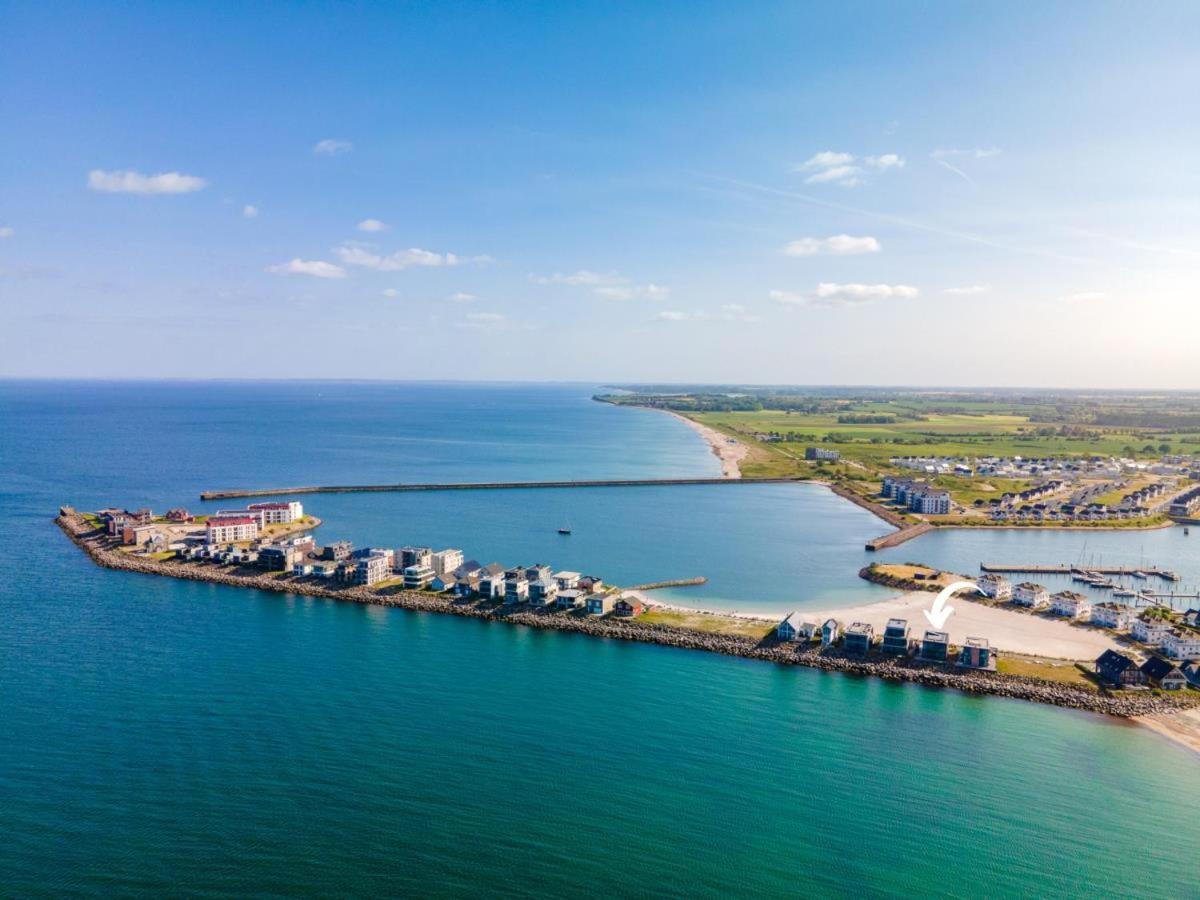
column 899, row 537
column 1165, row 574
column 481, row 486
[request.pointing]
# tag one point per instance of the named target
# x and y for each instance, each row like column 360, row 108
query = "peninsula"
column 536, row 597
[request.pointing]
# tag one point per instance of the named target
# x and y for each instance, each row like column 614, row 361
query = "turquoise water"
column 170, row 737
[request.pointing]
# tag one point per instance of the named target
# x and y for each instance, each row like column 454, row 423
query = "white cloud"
column 7, row 231
column 837, row 245
column 391, row 292
column 358, row 255
column 582, row 277
column 886, row 161
column 250, row 212
column 371, row 225
column 314, row 267
column 1083, row 297
column 827, row 159
column 846, row 176
column 835, row 167
column 128, row 181
column 463, row 297
column 973, row 152
column 671, row 315
column 830, row 293
column 332, row 147
column 967, row 290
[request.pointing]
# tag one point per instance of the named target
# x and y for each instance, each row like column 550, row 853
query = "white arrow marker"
column 940, row 612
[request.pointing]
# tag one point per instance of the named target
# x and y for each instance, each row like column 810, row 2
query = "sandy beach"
column 730, row 454
column 1183, row 727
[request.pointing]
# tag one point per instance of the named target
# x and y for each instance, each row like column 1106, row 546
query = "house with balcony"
column 600, row 604
column 1031, row 595
column 1116, row 616
column 1164, row 673
column 976, row 653
column 895, row 637
column 1070, row 604
column 1150, row 630
column 1181, row 643
column 795, row 627
column 1117, row 668
column 831, row 630
column 935, row 646
column 997, row 587
column 859, row 638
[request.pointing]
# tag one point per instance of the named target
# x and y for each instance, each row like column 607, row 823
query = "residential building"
column 278, row 513
column 590, row 583
column 929, row 501
column 1185, row 504
column 1117, row 668
column 228, row 529
column 1182, row 644
column 995, row 586
column 859, row 637
column 831, row 630
column 280, row 557
column 1164, row 673
column 538, row 572
column 516, row 586
column 446, row 561
column 138, row 535
column 1151, row 631
column 179, row 514
column 1117, row 616
column 1071, row 604
column 1032, row 595
column 567, row 581
column 414, row 556
column 599, row 604
column 895, row 637
column 628, row 606
column 119, row 518
column 935, row 646
column 569, row 598
column 1191, row 671
column 371, row 569
column 447, row 581
column 337, row 551
column 418, row 577
column 892, row 486
column 976, row 653
column 491, row 581
column 543, row 591
column 820, row 453
column 795, row 628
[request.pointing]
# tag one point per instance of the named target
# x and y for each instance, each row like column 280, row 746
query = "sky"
column 976, row 194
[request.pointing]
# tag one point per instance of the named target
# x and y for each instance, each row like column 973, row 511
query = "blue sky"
column 944, row 193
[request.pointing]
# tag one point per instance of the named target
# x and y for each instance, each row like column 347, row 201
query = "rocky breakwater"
column 100, row 548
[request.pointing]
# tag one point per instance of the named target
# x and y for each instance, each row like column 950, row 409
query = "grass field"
column 755, row 628
column 1063, row 672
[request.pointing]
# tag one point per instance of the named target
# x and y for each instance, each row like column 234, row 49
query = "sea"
column 175, row 738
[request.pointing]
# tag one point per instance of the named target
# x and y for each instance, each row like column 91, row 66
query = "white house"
column 1117, row 616
column 1032, row 595
column 831, row 630
column 1180, row 644
column 446, row 561
column 1150, row 631
column 995, row 586
column 278, row 513
column 228, row 529
column 1070, row 604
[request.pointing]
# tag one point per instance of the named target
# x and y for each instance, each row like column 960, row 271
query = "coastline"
column 730, row 455
column 93, row 543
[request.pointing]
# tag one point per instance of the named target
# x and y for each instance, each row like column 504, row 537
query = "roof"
column 976, row 642
column 231, row 520
column 1111, row 659
column 1157, row 668
column 861, row 628
column 271, row 505
column 566, row 574
column 938, row 637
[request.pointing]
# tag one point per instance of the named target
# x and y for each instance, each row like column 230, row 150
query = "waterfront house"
column 373, row 568
column 590, row 584
column 628, row 606
column 491, row 581
column 538, row 572
column 337, row 551
column 1191, row 671
column 1071, row 604
column 278, row 513
column 568, row 599
column 446, row 561
column 831, row 630
column 1192, row 617
column 1117, row 616
column 1164, row 673
column 280, row 557
column 976, row 653
column 1032, row 595
column 599, row 604
column 516, row 586
column 446, row 581
column 1150, row 630
column 935, row 646
column 1117, row 668
column 467, row 583
column 794, row 628
column 895, row 637
column 414, row 556
column 859, row 638
column 179, row 514
column 138, row 535
column 929, row 501
column 228, row 529
column 995, row 586
column 1182, row 644
column 543, row 591
column 567, row 581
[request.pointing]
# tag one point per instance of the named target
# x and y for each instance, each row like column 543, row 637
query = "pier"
column 481, row 486
column 1165, row 574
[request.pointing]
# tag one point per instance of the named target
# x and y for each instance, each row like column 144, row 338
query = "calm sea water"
column 166, row 737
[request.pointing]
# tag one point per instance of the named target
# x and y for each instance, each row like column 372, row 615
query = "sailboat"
column 565, row 529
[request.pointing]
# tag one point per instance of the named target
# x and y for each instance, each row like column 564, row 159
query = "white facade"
column 995, row 586
column 1031, row 595
column 1113, row 615
column 278, row 513
column 1150, row 631
column 227, row 530
column 1182, row 645
column 1070, row 604
column 445, row 561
